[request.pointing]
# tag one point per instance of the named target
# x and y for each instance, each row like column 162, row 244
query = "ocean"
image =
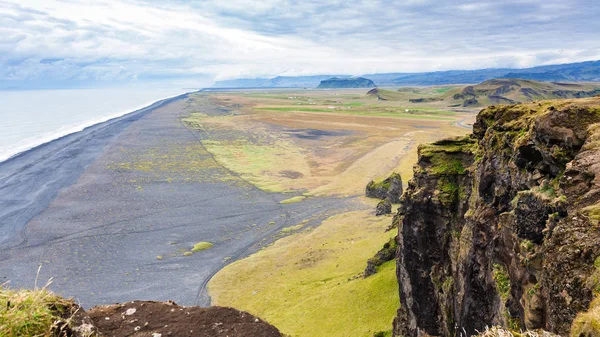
column 33, row 117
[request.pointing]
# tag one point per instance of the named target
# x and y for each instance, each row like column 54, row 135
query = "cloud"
column 130, row 40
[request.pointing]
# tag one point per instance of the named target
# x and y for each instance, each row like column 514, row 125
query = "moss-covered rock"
column 387, row 253
column 389, row 189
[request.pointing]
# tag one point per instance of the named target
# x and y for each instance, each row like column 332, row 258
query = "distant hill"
column 277, row 82
column 353, row 82
column 571, row 72
column 510, row 91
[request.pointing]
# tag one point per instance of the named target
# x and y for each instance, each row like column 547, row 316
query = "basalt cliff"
column 501, row 227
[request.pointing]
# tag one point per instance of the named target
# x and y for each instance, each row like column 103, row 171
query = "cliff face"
column 501, row 227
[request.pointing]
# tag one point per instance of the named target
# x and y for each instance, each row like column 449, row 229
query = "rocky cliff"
column 502, row 227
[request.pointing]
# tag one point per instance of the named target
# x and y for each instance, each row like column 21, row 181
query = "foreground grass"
column 29, row 312
column 310, row 284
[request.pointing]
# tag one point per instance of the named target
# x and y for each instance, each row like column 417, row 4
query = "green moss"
column 448, row 285
column 200, row 246
column 514, row 323
column 382, row 185
column 448, row 190
column 447, row 156
column 527, row 246
column 293, row 200
column 500, row 275
column 387, row 333
column 447, row 166
column 593, row 212
column 466, row 144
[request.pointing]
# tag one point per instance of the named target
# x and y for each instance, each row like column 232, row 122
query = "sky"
column 62, row 43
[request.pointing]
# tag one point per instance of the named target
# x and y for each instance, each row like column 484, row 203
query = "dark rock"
column 390, row 189
column 502, row 227
column 470, row 101
column 383, row 207
column 387, row 253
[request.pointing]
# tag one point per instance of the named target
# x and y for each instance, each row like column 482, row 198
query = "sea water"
column 31, row 118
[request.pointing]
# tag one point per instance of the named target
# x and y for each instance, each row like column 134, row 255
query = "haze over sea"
column 33, row 117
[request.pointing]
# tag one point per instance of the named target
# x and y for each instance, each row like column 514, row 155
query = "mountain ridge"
column 588, row 71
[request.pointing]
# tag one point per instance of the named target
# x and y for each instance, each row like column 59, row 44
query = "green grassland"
column 314, row 274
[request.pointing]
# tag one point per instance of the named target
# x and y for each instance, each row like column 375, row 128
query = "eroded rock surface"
column 501, row 227
column 389, row 189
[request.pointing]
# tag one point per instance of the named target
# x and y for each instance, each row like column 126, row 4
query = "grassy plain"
column 310, row 284
column 321, row 143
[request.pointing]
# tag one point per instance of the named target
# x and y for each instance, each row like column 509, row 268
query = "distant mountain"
column 571, row 72
column 353, row 82
column 386, row 79
column 277, row 82
column 450, row 77
column 575, row 72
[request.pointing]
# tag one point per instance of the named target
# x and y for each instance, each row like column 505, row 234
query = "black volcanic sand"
column 109, row 212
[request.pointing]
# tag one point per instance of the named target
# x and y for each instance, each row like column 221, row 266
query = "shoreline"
column 73, row 129
column 130, row 198
column 40, row 160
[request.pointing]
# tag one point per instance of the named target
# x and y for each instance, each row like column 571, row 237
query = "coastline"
column 110, row 211
column 75, row 128
column 28, row 167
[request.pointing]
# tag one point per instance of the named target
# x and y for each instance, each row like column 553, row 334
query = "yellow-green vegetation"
column 260, row 164
column 170, row 163
column 376, row 111
column 303, row 278
column 294, row 228
column 335, row 141
column 502, row 280
column 444, row 155
column 587, row 323
column 387, row 333
column 593, row 212
column 200, row 246
column 187, row 254
column 31, row 312
column 293, row 200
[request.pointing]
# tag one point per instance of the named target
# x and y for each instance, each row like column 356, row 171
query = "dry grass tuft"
column 587, row 323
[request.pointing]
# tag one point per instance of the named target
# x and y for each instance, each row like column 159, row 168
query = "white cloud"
column 121, row 40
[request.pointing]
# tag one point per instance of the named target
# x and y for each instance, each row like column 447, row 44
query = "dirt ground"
column 153, row 319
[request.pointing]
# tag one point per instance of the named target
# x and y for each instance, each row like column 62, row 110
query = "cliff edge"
column 501, row 228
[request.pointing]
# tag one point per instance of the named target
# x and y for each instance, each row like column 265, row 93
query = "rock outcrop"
column 385, row 254
column 501, row 228
column 383, row 207
column 352, row 82
column 389, row 189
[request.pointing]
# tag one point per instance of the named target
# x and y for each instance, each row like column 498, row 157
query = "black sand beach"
column 108, row 212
